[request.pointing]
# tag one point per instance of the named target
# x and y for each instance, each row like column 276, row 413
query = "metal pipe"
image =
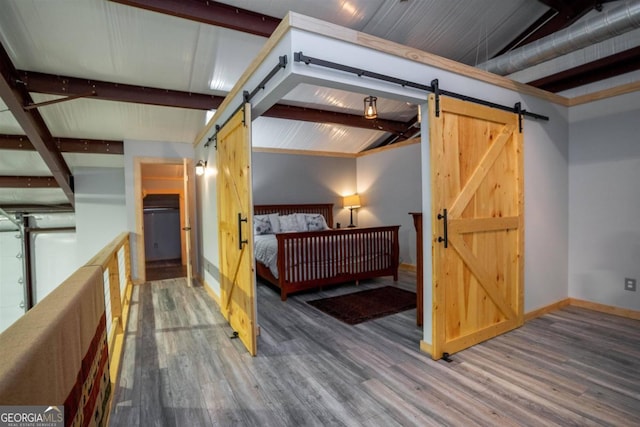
column 607, row 24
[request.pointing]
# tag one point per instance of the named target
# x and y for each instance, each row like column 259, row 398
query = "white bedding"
column 266, row 251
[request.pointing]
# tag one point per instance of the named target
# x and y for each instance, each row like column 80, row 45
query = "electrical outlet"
column 629, row 284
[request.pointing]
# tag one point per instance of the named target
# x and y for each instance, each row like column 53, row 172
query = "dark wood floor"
column 165, row 269
column 571, row 367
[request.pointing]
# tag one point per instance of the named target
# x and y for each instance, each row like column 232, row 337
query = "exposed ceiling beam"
column 223, row 15
column 16, row 98
column 28, row 182
column 561, row 15
column 109, row 91
column 610, row 66
column 57, row 101
column 71, row 86
column 283, row 111
column 65, row 145
column 212, row 13
column 35, row 208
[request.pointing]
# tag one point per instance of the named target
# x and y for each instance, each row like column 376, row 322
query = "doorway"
column 164, row 193
column 162, row 230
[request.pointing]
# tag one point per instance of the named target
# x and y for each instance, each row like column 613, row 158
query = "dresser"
column 417, row 223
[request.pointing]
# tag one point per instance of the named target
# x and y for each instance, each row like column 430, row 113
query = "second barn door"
column 477, row 221
column 237, row 275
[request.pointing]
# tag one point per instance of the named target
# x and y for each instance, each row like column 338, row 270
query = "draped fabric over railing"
column 66, row 350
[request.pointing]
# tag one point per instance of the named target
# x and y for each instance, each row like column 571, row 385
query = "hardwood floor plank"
column 546, row 387
column 402, row 412
column 180, row 367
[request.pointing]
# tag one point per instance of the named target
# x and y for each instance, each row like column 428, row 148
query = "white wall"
column 604, row 204
column 390, row 186
column 101, row 212
column 207, row 221
column 293, row 178
column 546, row 211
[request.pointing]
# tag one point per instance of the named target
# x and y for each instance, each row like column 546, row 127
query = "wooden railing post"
column 114, row 292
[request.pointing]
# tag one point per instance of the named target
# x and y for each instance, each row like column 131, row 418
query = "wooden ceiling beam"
column 282, row 111
column 28, row 182
column 65, row 145
column 15, row 96
column 223, row 15
column 610, row 66
column 110, row 91
column 212, row 13
column 35, row 208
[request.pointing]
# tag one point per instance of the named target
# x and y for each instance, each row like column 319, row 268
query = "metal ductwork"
column 609, row 23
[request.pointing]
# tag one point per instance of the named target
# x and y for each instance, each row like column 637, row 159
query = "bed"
column 301, row 260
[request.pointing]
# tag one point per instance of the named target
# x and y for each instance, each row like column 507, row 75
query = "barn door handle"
column 445, row 239
column 240, row 221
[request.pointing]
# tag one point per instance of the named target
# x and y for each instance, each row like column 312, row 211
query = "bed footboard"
column 312, row 259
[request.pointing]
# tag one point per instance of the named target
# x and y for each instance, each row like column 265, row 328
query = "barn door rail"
column 431, row 88
column 247, row 97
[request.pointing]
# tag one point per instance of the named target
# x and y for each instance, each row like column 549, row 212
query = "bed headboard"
column 326, row 209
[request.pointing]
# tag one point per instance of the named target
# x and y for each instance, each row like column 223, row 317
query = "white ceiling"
column 103, row 40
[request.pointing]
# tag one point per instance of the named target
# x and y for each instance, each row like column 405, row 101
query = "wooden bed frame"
column 331, row 248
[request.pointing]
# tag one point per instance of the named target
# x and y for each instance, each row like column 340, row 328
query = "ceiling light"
column 370, row 107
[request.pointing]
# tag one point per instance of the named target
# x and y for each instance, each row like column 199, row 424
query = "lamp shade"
column 351, row 202
column 370, row 107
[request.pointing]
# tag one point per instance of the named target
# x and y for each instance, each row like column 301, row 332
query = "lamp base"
column 351, row 225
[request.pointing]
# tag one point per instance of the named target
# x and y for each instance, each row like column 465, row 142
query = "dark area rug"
column 361, row 306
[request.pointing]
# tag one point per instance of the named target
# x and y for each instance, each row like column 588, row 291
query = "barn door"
column 237, row 278
column 478, row 223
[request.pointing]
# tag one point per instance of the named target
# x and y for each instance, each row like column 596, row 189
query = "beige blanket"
column 57, row 354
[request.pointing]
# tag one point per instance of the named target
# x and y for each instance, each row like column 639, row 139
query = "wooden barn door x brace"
column 477, row 186
column 477, row 222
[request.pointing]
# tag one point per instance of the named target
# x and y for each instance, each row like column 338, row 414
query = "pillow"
column 289, row 223
column 302, row 222
column 316, row 222
column 262, row 225
column 275, row 222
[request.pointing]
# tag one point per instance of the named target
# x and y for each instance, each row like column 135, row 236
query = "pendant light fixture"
column 370, row 107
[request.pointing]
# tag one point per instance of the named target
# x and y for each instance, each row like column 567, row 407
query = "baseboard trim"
column 407, row 267
column 546, row 309
column 603, row 308
column 425, row 347
column 209, row 291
